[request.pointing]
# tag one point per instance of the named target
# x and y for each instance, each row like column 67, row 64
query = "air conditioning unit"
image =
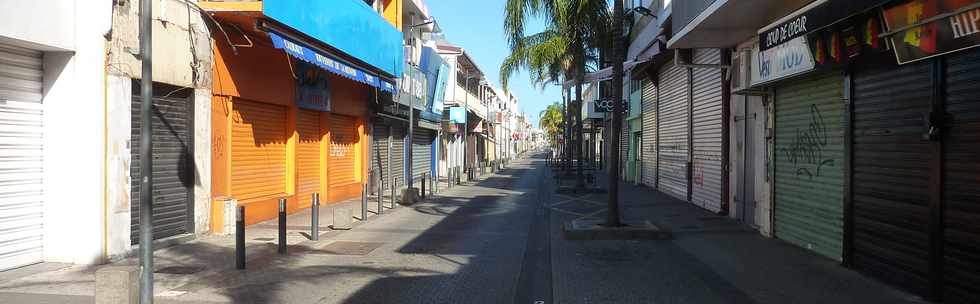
column 741, row 70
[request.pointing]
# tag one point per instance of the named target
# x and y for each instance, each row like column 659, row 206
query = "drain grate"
column 265, row 239
column 180, row 270
column 349, row 248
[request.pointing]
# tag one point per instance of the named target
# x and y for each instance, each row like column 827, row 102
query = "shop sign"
column 798, row 24
column 955, row 26
column 785, row 60
column 457, row 115
column 312, row 88
column 606, row 106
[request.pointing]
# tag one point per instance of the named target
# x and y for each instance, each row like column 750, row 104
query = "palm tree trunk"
column 567, row 167
column 612, row 215
column 579, row 77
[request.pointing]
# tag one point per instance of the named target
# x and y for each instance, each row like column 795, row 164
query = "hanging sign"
column 457, row 115
column 956, row 27
column 787, row 59
column 312, row 88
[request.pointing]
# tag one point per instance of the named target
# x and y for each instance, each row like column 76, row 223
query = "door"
column 343, row 150
column 308, row 157
column 753, row 122
column 706, row 121
column 258, row 150
column 809, row 160
column 22, row 206
column 648, row 145
column 379, row 157
column 673, row 146
column 173, row 169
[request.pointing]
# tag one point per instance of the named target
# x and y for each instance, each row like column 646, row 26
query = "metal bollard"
column 282, row 225
column 240, row 238
column 422, row 191
column 364, row 199
column 381, row 199
column 434, row 182
column 315, row 218
column 394, row 186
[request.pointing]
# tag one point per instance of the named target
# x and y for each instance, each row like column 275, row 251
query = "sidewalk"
column 208, row 260
column 712, row 259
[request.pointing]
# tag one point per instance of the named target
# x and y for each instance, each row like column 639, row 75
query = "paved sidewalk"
column 712, row 259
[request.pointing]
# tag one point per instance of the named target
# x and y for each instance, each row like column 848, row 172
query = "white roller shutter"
column 648, row 151
column 707, row 120
column 673, row 146
column 21, row 202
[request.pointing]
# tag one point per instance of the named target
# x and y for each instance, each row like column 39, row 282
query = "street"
column 498, row 240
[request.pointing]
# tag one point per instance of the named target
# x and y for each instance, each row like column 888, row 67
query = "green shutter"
column 809, row 163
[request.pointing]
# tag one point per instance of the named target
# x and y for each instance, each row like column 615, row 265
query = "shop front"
column 298, row 123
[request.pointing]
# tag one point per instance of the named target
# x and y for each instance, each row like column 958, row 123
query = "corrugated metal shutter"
column 648, row 151
column 379, row 156
column 343, row 150
column 961, row 188
column 258, row 150
column 624, row 149
column 707, row 121
column 673, row 145
column 22, row 204
column 308, row 162
column 173, row 176
column 421, row 152
column 809, row 160
column 398, row 153
column 891, row 173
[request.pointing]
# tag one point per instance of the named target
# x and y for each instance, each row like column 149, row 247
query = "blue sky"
column 477, row 27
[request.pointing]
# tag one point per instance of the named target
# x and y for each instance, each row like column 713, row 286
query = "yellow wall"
column 393, row 12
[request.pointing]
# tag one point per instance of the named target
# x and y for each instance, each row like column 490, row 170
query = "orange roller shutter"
column 307, row 156
column 258, row 150
column 343, row 137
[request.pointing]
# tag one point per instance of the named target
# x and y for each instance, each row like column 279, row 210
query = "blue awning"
column 330, row 63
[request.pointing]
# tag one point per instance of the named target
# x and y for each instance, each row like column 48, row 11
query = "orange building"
column 289, row 111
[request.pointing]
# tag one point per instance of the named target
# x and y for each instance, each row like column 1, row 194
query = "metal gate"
column 809, row 163
column 173, row 168
column 421, row 153
column 308, row 164
column 961, row 185
column 673, row 146
column 22, row 206
column 398, row 153
column 379, row 157
column 648, row 143
column 707, row 126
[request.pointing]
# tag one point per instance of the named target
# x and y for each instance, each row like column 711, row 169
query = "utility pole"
column 612, row 219
column 146, row 153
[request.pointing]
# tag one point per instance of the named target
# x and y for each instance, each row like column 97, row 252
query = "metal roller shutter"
column 421, row 152
column 961, row 187
column 343, row 150
column 398, row 154
column 809, row 160
column 648, row 151
column 379, row 156
column 308, row 162
column 891, row 173
column 707, row 121
column 21, row 196
column 624, row 148
column 258, row 150
column 173, row 176
column 673, row 138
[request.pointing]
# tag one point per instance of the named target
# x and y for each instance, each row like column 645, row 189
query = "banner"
column 957, row 28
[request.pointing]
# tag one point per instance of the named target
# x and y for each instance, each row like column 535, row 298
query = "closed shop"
column 422, row 153
column 341, row 163
column 258, row 150
column 380, row 162
column 308, row 157
column 673, row 146
column 648, row 145
column 21, row 209
column 809, row 161
column 398, row 154
column 173, row 176
column 706, row 124
column 899, row 185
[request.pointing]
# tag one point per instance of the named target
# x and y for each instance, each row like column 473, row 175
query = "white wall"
column 74, row 119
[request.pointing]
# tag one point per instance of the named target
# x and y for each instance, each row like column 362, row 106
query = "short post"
column 434, row 182
column 394, row 186
column 282, row 225
column 381, row 198
column 240, row 238
column 422, row 191
column 315, row 220
column 364, row 203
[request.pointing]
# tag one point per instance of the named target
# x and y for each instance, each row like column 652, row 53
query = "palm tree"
column 563, row 51
column 552, row 119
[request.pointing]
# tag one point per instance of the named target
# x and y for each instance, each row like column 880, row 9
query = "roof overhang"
column 725, row 23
